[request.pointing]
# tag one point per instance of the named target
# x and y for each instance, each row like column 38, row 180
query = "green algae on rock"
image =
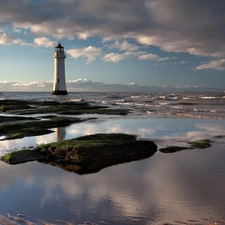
column 96, row 147
column 22, row 156
column 5, row 119
column 34, row 128
column 198, row 144
column 11, row 105
column 62, row 108
column 12, row 127
column 93, row 151
column 27, row 132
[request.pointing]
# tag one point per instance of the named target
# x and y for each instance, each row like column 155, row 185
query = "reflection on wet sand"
column 18, row 220
column 140, row 188
column 96, row 166
column 60, row 133
column 181, row 188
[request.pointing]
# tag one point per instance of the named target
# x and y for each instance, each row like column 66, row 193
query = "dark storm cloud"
column 195, row 27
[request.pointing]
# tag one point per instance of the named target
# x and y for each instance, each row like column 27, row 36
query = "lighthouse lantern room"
column 59, row 86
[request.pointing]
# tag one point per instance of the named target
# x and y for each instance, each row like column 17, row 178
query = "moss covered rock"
column 97, row 147
column 200, row 144
column 62, row 108
column 22, row 156
column 34, row 128
column 96, row 151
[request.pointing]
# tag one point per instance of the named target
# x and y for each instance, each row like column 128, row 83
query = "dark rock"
column 22, row 156
column 200, row 144
column 97, row 147
column 172, row 149
column 87, row 154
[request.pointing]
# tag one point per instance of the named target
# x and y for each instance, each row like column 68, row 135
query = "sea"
column 209, row 105
column 185, row 187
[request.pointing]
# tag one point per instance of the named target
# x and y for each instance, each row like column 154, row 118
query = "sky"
column 119, row 45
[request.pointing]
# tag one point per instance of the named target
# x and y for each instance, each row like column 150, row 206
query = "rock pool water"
column 184, row 187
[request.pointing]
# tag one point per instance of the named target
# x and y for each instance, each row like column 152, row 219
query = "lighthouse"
column 59, row 86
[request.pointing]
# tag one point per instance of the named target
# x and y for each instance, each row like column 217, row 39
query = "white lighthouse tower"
column 59, row 86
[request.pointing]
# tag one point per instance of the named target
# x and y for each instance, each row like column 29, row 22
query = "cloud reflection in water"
column 163, row 188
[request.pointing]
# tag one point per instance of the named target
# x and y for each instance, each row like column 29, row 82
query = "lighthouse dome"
column 59, row 48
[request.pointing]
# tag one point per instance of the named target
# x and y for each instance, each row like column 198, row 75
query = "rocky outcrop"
column 198, row 144
column 89, row 153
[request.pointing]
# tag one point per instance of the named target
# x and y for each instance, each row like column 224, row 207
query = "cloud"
column 117, row 57
column 17, row 30
column 214, row 64
column 184, row 62
column 85, row 85
column 164, row 59
column 6, row 39
column 123, row 45
column 26, row 86
column 148, row 56
column 84, row 81
column 80, row 80
column 187, row 26
column 113, row 57
column 90, row 53
column 194, row 27
column 45, row 42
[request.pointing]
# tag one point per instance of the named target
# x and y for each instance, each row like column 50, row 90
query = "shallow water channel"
column 183, row 187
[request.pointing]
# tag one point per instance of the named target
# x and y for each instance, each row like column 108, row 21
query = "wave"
column 182, row 104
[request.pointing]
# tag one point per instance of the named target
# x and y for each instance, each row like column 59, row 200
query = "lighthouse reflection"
column 60, row 133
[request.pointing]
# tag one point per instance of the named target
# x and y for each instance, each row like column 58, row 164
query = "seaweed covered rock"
column 100, row 150
column 91, row 148
column 62, row 108
column 198, row 144
column 34, row 128
column 22, row 156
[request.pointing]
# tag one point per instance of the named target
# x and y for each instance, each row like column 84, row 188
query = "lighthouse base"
column 59, row 93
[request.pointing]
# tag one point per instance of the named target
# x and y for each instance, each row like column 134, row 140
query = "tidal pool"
column 183, row 187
